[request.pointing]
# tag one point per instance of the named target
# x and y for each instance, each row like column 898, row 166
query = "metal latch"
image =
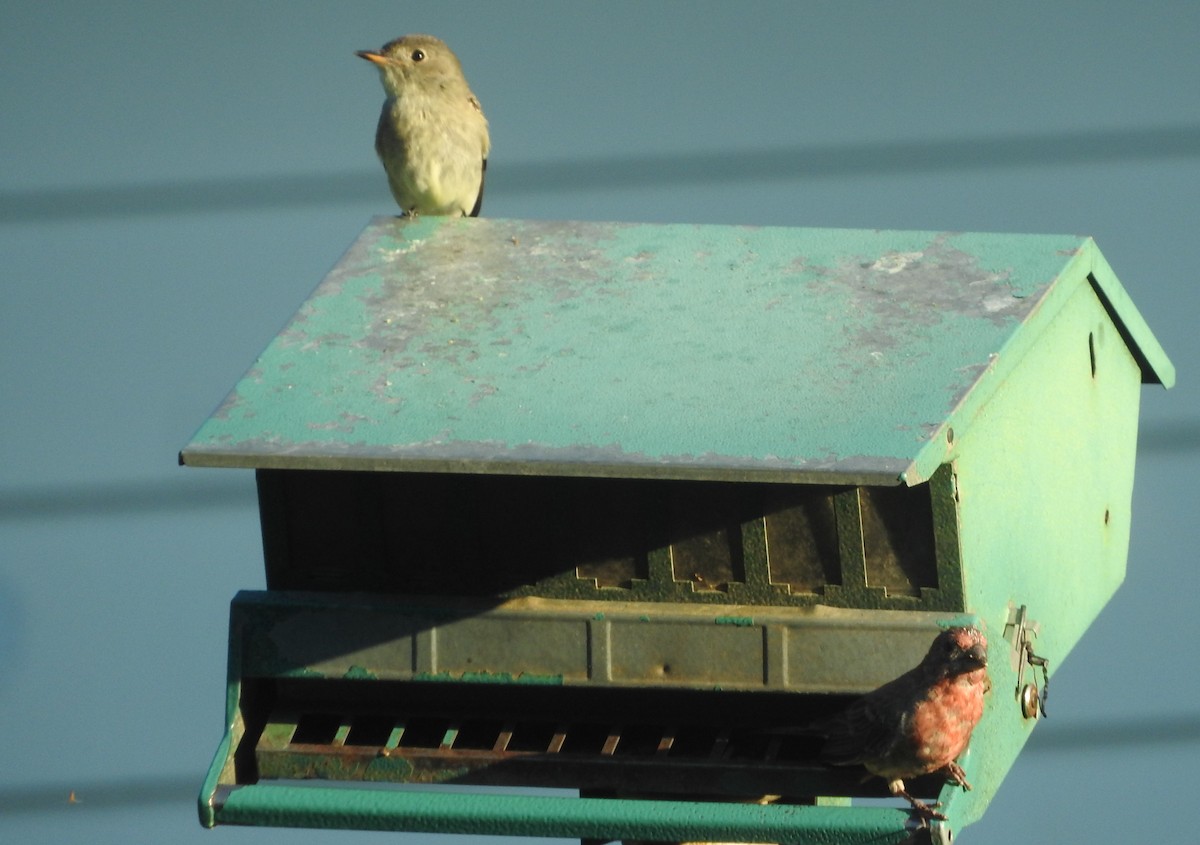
column 1020, row 630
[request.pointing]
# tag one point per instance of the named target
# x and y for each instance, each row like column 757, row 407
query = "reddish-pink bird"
column 919, row 723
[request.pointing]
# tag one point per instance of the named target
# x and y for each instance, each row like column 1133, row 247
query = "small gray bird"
column 432, row 136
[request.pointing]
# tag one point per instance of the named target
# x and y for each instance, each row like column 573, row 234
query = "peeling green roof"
column 674, row 351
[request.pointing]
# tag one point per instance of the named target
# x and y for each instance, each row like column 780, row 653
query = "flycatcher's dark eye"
column 418, row 55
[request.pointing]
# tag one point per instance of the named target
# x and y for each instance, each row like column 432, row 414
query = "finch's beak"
column 977, row 654
column 371, row 57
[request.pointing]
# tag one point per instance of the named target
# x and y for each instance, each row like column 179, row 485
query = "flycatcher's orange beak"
column 371, row 57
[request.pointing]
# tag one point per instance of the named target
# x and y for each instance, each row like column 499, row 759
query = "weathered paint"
column 740, row 621
column 490, row 678
column 648, row 350
column 359, row 673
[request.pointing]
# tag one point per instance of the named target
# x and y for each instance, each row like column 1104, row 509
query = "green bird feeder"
column 606, row 508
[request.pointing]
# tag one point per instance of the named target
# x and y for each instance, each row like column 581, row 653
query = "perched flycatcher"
column 432, row 136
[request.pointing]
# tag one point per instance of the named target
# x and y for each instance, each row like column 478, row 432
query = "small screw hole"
column 1092, row 352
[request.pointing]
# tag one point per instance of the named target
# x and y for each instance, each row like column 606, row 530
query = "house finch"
column 432, row 136
column 920, row 722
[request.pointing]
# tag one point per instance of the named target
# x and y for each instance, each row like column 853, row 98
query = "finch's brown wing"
column 864, row 731
column 870, row 728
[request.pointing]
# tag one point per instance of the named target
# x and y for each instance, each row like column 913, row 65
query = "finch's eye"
column 418, row 55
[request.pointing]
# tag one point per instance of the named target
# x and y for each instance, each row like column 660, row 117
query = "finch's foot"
column 955, row 773
column 925, row 811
